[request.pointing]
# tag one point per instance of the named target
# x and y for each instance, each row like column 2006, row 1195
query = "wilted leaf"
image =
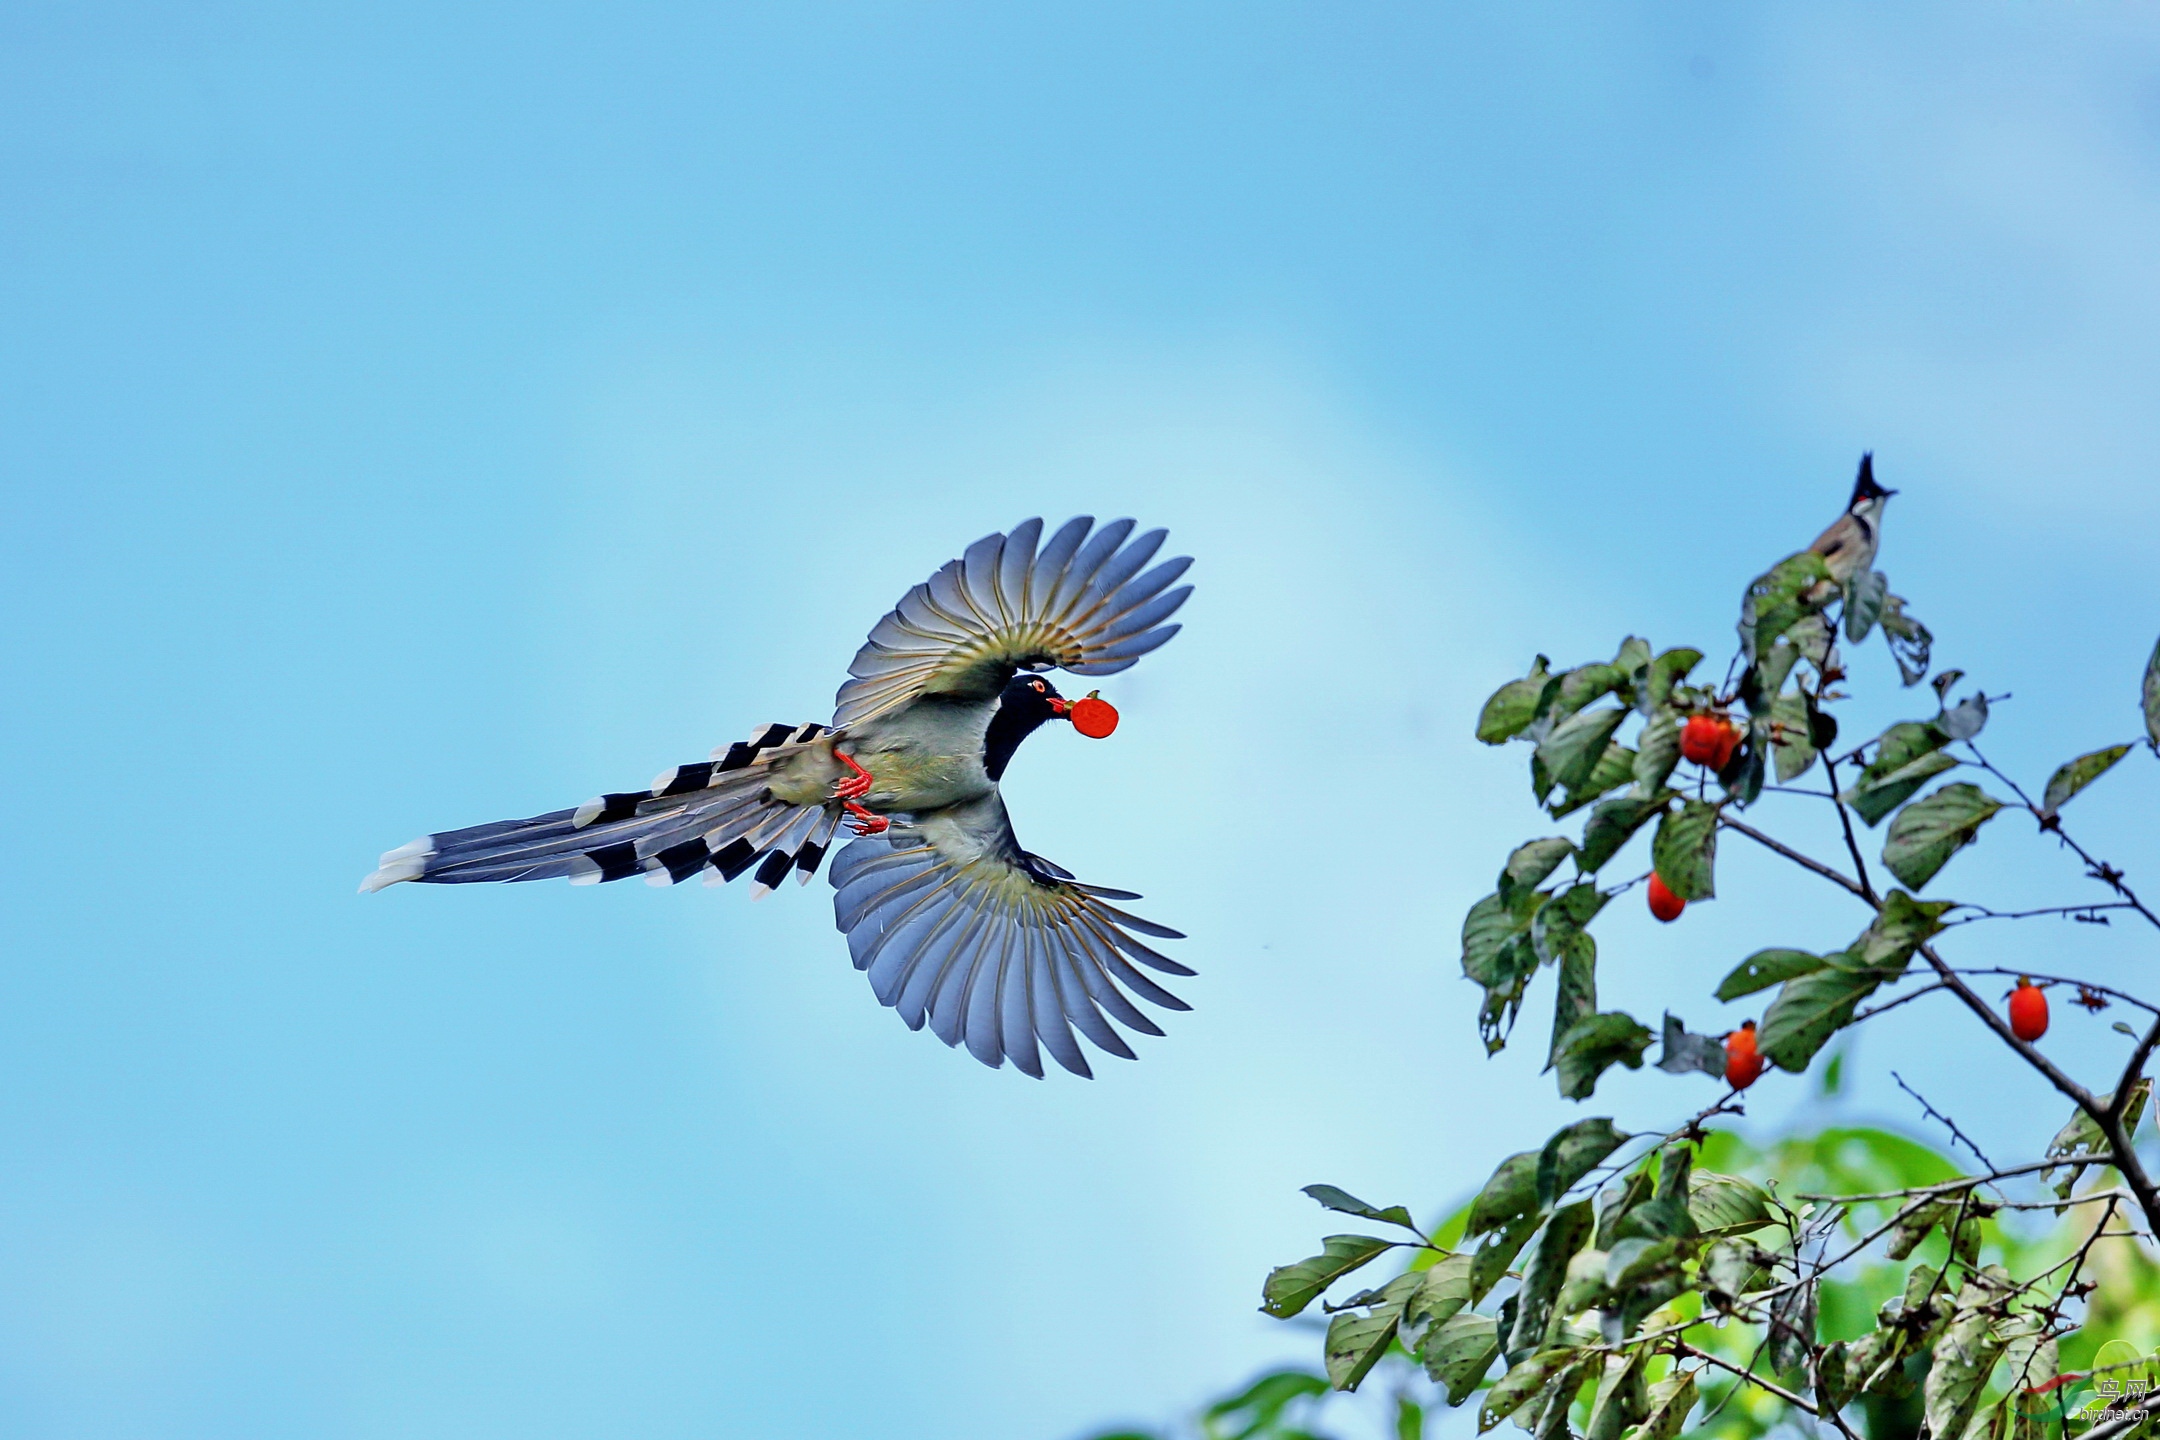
column 1928, row 832
column 1726, row 1204
column 1355, row 1342
column 1458, row 1353
column 1670, row 1401
column 1965, row 719
column 1684, row 1053
column 1910, row 642
column 1572, row 1153
column 1808, row 1011
column 1792, row 1327
column 1510, row 1194
column 2151, row 696
column 2075, row 776
column 1766, row 968
column 1684, row 851
column 1290, row 1288
column 1563, row 1235
column 1792, row 745
column 1522, row 1381
column 1513, row 706
column 2081, row 1138
column 1497, row 955
column 1572, row 749
column 1797, row 585
column 1912, row 1228
column 1963, row 1356
column 1612, row 824
column 1730, row 1270
column 1864, row 596
column 1593, row 1045
column 1343, row 1202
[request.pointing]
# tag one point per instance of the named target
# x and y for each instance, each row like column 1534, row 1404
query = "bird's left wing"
column 992, row 947
column 1079, row 602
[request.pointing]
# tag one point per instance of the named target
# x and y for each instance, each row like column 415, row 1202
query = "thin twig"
column 1795, row 856
column 2076, row 912
column 1893, row 1004
column 1948, row 1123
column 1852, row 841
column 1756, row 1380
column 2123, row 995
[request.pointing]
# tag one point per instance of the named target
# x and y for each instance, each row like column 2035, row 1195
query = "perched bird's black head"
column 1865, row 489
column 1027, row 701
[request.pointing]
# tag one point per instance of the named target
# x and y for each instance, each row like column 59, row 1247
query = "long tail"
column 716, row 816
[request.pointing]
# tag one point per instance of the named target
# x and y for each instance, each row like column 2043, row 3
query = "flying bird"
column 958, row 927
column 1848, row 546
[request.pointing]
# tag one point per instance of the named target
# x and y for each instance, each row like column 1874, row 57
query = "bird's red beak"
column 1062, row 708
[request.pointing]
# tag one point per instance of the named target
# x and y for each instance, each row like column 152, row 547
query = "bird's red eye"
column 1037, row 684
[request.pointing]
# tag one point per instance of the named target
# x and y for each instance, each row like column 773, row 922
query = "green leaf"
column 1355, row 1342
column 1657, row 751
column 1497, row 955
column 2151, row 695
column 1907, row 755
column 1760, row 690
column 2081, row 1138
column 1513, row 706
column 1910, row 642
column 1459, row 1351
column 1583, row 684
column 2076, row 775
column 1563, row 1235
column 1797, row 585
column 1684, row 1053
column 1510, row 1194
column 1594, row 1044
column 1260, row 1407
column 1963, row 1357
column 1864, row 597
column 1886, row 946
column 1622, row 1398
column 1560, row 921
column 1290, row 1288
column 1928, row 832
column 1571, row 750
column 1670, row 1401
column 1572, row 1153
column 1613, row 823
column 1616, row 767
column 1343, row 1202
column 1446, row 1290
column 1498, row 1252
column 1792, row 743
column 1765, row 968
column 1726, row 1204
column 1668, row 670
column 1528, row 865
column 1576, row 996
column 1684, row 852
column 1522, row 1381
column 1808, row 1011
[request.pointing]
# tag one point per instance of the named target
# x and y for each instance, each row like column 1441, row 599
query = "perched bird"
column 1848, row 546
column 958, row 927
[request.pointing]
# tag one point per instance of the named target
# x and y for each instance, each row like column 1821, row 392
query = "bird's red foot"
column 864, row 822
column 855, row 786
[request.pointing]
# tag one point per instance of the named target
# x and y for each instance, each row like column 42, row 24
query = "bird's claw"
column 864, row 822
column 855, row 786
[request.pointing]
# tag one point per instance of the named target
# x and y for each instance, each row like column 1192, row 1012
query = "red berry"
column 1743, row 1062
column 1663, row 903
column 1708, row 740
column 2028, row 1011
column 1092, row 717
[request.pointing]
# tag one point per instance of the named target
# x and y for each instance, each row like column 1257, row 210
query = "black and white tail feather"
column 716, row 817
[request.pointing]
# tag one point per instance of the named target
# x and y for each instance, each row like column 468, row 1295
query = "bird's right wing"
column 992, row 947
column 1080, row 603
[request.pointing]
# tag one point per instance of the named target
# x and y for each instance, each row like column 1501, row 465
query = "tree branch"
column 1797, row 858
column 1750, row 1377
column 1852, row 841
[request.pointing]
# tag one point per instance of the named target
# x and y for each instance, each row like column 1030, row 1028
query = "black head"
column 1865, row 489
column 1026, row 702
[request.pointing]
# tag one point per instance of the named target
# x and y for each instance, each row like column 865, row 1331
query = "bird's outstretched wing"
column 1080, row 602
column 992, row 947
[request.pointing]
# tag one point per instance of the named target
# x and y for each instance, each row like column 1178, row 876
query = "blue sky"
column 418, row 415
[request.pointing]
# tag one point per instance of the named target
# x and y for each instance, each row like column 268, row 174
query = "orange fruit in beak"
column 1092, row 717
